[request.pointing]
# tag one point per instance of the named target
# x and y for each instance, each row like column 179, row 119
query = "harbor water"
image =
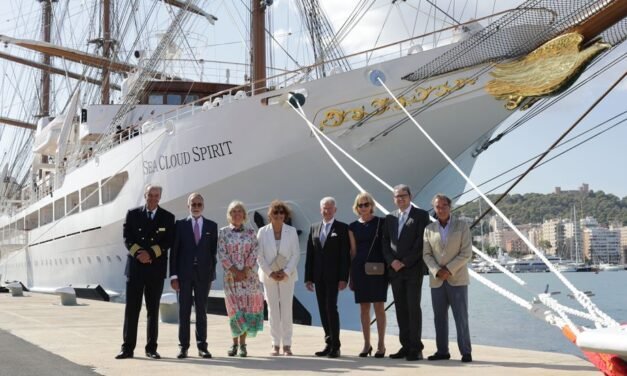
column 496, row 321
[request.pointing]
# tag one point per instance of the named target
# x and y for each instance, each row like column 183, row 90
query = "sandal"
column 287, row 351
column 233, row 350
column 242, row 351
column 275, row 351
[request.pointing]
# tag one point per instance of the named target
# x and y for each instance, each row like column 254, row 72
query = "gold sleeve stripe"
column 134, row 248
column 157, row 250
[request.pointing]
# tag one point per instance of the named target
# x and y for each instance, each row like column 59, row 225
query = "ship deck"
column 88, row 336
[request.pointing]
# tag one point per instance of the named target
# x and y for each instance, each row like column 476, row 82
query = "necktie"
column 401, row 222
column 324, row 233
column 149, row 214
column 196, row 231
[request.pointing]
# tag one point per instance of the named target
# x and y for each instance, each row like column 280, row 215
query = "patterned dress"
column 244, row 299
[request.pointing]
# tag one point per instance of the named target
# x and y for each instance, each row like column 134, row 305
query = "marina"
column 89, row 335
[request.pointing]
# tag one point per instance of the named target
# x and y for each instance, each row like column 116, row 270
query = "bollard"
column 16, row 289
column 67, row 294
column 169, row 308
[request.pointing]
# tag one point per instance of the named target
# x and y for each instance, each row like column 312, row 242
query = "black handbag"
column 374, row 268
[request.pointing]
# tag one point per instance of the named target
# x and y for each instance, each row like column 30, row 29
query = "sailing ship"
column 63, row 210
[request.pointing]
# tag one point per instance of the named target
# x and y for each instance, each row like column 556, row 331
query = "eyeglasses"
column 364, row 205
column 401, row 196
column 278, row 212
column 196, row 205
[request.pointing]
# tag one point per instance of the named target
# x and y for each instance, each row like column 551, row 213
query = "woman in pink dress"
column 243, row 294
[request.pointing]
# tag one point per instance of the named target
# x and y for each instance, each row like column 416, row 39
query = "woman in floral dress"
column 243, row 294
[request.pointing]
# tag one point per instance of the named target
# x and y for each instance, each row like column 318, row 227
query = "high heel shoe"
column 366, row 353
column 232, row 350
column 242, row 351
column 380, row 353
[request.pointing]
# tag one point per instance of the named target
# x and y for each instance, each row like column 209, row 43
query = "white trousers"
column 279, row 296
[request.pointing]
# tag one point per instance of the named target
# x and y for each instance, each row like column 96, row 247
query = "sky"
column 599, row 162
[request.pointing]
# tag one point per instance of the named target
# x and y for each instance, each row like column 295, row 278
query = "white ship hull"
column 257, row 153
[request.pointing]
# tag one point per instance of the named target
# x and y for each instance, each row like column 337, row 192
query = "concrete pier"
column 88, row 335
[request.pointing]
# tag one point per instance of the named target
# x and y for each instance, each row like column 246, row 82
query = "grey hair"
column 403, row 187
column 150, row 187
column 441, row 196
column 193, row 196
column 327, row 199
column 234, row 205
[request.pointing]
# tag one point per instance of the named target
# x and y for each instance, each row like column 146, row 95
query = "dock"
column 86, row 337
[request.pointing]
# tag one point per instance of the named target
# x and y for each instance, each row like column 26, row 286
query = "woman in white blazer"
column 279, row 252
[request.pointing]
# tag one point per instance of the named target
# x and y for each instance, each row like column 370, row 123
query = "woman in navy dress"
column 365, row 238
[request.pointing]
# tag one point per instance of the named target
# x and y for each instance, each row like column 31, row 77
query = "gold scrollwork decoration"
column 335, row 117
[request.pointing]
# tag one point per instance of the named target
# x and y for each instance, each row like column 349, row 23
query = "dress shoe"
column 124, row 354
column 324, row 352
column 153, row 354
column 380, row 353
column 466, row 358
column 414, row 355
column 366, row 353
column 334, row 353
column 182, row 354
column 204, row 353
column 399, row 354
column 438, row 356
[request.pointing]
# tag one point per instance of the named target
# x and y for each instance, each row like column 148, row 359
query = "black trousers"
column 137, row 287
column 407, row 292
column 326, row 294
column 193, row 290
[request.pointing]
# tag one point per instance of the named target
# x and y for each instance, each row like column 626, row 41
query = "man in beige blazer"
column 447, row 250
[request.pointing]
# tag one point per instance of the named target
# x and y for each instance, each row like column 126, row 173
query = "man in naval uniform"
column 148, row 234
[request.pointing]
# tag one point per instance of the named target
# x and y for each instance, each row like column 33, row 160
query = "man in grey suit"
column 402, row 250
column 447, row 251
column 192, row 269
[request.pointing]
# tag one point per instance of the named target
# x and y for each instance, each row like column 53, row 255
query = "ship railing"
column 285, row 78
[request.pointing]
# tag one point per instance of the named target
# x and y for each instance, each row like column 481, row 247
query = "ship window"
column 112, row 187
column 71, row 202
column 174, row 99
column 46, row 214
column 155, row 99
column 90, row 196
column 59, row 208
column 20, row 224
column 119, row 258
column 191, row 98
column 31, row 221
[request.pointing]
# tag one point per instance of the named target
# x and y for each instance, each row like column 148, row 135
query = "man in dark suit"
column 327, row 267
column 402, row 250
column 192, row 269
column 148, row 234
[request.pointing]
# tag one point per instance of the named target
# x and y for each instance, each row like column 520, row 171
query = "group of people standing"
column 366, row 255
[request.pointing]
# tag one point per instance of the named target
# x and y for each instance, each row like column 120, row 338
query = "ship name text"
column 183, row 158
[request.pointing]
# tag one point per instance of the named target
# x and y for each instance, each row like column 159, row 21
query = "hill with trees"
column 536, row 207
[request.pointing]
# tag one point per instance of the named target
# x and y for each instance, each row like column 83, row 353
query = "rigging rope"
column 507, row 294
column 583, row 299
column 551, row 148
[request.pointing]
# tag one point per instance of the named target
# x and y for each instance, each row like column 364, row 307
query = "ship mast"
column 46, row 22
column 106, row 49
column 258, row 49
